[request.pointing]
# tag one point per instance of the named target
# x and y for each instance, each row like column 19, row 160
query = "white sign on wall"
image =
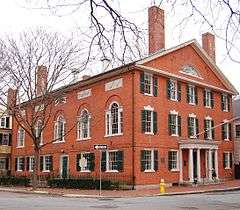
column 114, row 84
column 84, row 94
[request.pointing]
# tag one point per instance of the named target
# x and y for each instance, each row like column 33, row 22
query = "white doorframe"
column 61, row 161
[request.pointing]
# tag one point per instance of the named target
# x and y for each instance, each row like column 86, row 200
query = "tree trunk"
column 35, row 178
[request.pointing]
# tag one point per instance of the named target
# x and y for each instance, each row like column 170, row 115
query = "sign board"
column 100, row 146
column 83, row 162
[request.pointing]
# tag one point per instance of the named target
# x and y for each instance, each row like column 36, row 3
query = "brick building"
column 151, row 113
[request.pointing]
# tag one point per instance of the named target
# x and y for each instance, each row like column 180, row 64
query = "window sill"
column 149, row 171
column 193, row 137
column 227, row 140
column 174, row 170
column 171, row 99
column 46, row 171
column 19, row 171
column 86, row 171
column 227, row 168
column 147, row 94
column 112, row 171
column 149, row 133
column 225, row 111
column 19, row 147
column 175, row 135
column 84, row 139
column 58, row 142
column 208, row 107
column 112, row 135
column 193, row 104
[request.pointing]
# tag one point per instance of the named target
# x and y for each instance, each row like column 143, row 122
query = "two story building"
column 165, row 116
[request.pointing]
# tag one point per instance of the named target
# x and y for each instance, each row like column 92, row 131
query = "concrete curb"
column 68, row 195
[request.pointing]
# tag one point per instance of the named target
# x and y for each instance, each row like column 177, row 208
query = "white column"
column 190, row 165
column 198, row 166
column 216, row 162
column 210, row 165
column 180, row 166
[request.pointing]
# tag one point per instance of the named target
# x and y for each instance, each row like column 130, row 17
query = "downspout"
column 133, row 131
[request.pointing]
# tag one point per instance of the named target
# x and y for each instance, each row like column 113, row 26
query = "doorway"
column 64, row 167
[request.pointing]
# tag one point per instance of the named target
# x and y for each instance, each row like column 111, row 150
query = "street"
column 209, row 201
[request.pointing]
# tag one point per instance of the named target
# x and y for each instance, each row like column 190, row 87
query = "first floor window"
column 149, row 121
column 174, row 125
column 20, row 164
column 209, row 129
column 3, row 163
column 227, row 160
column 85, row 162
column 20, row 137
column 172, row 160
column 192, row 127
column 112, row 161
column 149, row 160
column 46, row 163
column 237, row 128
column 30, row 163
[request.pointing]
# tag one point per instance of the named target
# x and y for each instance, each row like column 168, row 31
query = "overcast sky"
column 15, row 18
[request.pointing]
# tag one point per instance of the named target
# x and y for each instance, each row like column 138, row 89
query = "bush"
column 83, row 183
column 15, row 181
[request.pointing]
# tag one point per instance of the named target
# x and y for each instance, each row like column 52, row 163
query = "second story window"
column 192, row 97
column 174, row 90
column 20, row 137
column 237, row 130
column 114, row 120
column 39, row 131
column 4, row 123
column 226, row 131
column 59, row 129
column 209, row 129
column 193, row 128
column 225, row 102
column 208, row 98
column 148, row 84
column 174, row 124
column 84, row 125
column 149, row 120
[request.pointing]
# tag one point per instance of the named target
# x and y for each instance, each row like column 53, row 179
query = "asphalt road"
column 219, row 201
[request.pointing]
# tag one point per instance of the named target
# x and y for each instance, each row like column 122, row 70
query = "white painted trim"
column 148, row 108
column 173, row 112
column 208, row 118
column 192, row 115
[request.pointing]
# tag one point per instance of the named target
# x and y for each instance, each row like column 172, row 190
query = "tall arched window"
column 114, row 120
column 84, row 125
column 39, row 131
column 59, row 129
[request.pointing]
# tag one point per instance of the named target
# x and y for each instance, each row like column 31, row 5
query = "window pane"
column 148, row 159
column 114, row 115
column 112, row 161
column 173, row 90
column 148, row 83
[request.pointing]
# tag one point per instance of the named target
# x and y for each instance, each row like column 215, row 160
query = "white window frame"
column 150, row 109
column 18, row 163
column 82, row 155
column 44, row 163
column 152, row 161
column 108, row 121
column 80, row 126
column 194, row 117
column 20, row 140
column 208, row 98
column 225, row 101
column 5, row 135
column 175, row 98
column 173, row 112
column 107, row 161
column 210, row 129
column 177, row 160
column 37, row 131
column 151, row 84
column 192, row 94
column 4, row 120
column 226, row 126
column 56, row 129
column 31, row 163
column 228, row 160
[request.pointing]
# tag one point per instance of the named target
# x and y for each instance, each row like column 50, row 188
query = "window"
column 237, row 127
column 174, row 90
column 226, row 131
column 193, row 129
column 190, row 70
column 4, row 122
column 192, row 95
column 84, row 125
column 60, row 100
column 89, row 158
column 39, row 131
column 208, row 98
column 5, row 139
column 114, row 120
column 20, row 137
column 46, row 163
column 112, row 161
column 149, row 121
column 148, row 84
column 149, row 160
column 209, row 131
column 225, row 101
column 3, row 163
column 30, row 163
column 174, row 124
column 20, row 164
column 227, row 160
column 59, row 129
column 172, row 160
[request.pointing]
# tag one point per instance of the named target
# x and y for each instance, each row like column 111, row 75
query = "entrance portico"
column 197, row 160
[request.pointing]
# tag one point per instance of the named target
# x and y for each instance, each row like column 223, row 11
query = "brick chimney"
column 156, row 34
column 41, row 80
column 208, row 44
column 11, row 99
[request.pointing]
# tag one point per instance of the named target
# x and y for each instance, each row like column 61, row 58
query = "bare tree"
column 107, row 33
column 33, row 67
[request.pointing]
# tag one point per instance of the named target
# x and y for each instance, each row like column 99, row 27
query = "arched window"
column 83, row 131
column 39, row 131
column 114, row 120
column 59, row 129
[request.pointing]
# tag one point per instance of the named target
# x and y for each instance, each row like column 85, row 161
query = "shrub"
column 15, row 181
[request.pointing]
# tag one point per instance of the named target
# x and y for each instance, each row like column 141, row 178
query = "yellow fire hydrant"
column 162, row 186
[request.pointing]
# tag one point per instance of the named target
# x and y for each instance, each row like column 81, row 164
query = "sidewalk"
column 181, row 190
